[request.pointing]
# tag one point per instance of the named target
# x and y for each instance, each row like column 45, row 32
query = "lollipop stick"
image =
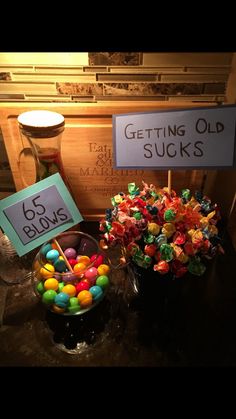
column 64, row 256
column 169, row 181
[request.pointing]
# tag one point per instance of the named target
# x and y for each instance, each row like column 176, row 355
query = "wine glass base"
column 77, row 334
column 14, row 269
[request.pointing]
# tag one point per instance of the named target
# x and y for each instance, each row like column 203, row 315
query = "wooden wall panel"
column 87, row 152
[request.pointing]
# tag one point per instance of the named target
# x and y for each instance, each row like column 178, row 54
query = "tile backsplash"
column 109, row 76
column 6, row 178
column 98, row 76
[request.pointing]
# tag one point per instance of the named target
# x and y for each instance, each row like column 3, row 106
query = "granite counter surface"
column 186, row 322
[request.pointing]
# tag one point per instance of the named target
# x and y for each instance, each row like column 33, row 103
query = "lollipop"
column 157, row 228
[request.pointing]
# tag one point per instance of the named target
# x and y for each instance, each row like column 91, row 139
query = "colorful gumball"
column 91, row 273
column 60, row 265
column 69, row 289
column 46, row 248
column 49, row 297
column 60, row 286
column 97, row 260
column 102, row 281
column 85, row 298
column 47, row 271
column 79, row 267
column 40, row 287
column 72, row 262
column 51, row 284
column 62, row 299
column 103, row 269
column 73, row 306
column 73, row 301
column 70, row 253
column 83, row 259
column 52, row 255
column 96, row 292
column 81, row 286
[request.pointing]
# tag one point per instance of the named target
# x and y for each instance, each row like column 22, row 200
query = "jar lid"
column 40, row 123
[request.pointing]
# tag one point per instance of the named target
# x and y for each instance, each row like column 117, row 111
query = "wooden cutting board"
column 87, row 152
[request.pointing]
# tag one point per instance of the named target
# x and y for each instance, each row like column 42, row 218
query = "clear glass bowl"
column 75, row 284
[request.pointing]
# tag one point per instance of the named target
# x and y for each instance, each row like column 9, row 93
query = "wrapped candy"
column 162, row 267
column 161, row 230
column 168, row 229
column 154, row 229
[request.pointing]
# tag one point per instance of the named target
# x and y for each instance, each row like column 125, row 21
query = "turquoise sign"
column 38, row 213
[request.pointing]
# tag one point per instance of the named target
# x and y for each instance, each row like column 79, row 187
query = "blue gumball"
column 52, row 255
column 96, row 292
column 60, row 265
column 62, row 300
column 45, row 249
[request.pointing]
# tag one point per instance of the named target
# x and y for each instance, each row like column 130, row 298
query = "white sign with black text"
column 198, row 137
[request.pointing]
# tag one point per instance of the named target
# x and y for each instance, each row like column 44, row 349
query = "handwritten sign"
column 199, row 137
column 38, row 213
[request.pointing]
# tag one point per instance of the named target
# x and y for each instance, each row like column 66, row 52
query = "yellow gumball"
column 85, row 298
column 84, row 259
column 69, row 289
column 103, row 269
column 47, row 271
column 51, row 284
column 79, row 267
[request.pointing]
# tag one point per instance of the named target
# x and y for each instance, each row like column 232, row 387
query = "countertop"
column 183, row 322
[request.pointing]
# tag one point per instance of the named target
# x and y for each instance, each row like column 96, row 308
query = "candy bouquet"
column 162, row 231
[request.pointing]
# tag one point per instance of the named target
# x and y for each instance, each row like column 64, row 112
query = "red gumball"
column 81, row 286
column 98, row 259
column 72, row 262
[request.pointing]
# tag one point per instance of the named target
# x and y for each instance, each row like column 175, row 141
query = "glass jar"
column 14, row 269
column 70, row 274
column 43, row 130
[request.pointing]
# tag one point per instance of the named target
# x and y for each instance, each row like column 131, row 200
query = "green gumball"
column 74, row 309
column 60, row 286
column 102, row 281
column 73, row 301
column 48, row 297
column 40, row 287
